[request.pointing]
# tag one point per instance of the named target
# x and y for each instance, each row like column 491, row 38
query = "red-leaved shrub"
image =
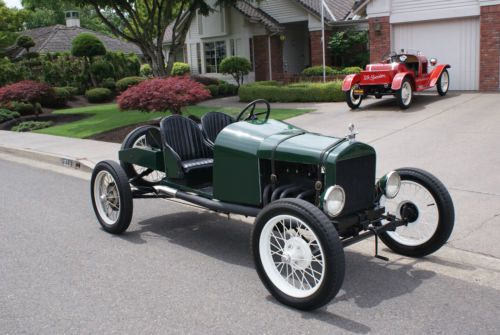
column 25, row 91
column 158, row 95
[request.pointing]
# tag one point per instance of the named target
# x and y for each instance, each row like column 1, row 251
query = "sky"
column 13, row 3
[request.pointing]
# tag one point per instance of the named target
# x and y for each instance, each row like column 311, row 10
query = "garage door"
column 455, row 42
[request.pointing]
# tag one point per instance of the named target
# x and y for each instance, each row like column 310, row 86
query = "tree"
column 237, row 67
column 88, row 46
column 144, row 23
column 349, row 48
column 25, row 42
column 43, row 13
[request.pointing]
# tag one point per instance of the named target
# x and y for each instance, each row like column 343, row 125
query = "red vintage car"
column 399, row 74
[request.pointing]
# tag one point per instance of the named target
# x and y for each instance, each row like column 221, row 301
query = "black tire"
column 333, row 252
column 125, row 196
column 378, row 96
column 128, row 143
column 445, row 209
column 353, row 104
column 399, row 94
column 439, row 88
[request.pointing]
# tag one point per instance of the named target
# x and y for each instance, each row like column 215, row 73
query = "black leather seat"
column 213, row 122
column 186, row 140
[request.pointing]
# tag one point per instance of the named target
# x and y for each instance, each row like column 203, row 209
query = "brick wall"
column 489, row 66
column 316, row 48
column 261, row 57
column 380, row 41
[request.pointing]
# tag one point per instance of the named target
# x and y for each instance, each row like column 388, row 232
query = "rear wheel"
column 353, row 100
column 405, row 94
column 137, row 139
column 111, row 197
column 298, row 254
column 427, row 206
column 443, row 83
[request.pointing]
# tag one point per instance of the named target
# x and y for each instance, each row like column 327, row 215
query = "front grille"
column 357, row 178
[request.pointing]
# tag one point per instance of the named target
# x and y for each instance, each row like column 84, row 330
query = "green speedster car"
column 312, row 195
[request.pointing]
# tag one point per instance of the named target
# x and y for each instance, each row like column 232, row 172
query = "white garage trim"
column 454, row 41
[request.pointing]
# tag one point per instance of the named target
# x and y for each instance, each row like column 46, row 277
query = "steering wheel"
column 250, row 109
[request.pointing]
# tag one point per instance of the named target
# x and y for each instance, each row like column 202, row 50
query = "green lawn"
column 107, row 117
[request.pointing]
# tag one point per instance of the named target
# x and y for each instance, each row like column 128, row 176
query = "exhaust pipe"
column 214, row 205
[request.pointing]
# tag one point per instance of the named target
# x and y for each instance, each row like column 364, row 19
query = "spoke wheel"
column 427, row 207
column 298, row 254
column 443, row 83
column 111, row 197
column 155, row 176
column 353, row 100
column 405, row 94
column 137, row 139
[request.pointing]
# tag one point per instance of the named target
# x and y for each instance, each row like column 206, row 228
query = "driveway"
column 455, row 137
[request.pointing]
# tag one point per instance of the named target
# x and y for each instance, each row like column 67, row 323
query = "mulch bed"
column 118, row 135
column 56, row 119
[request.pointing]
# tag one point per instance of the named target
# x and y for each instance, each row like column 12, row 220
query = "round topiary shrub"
column 73, row 91
column 214, row 90
column 146, row 70
column 87, row 45
column 237, row 67
column 180, row 69
column 109, row 83
column 124, row 83
column 23, row 108
column 59, row 99
column 101, row 70
column 97, row 95
column 158, row 95
column 317, row 71
column 25, row 42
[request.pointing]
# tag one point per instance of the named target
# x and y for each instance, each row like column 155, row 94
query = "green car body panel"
column 240, row 147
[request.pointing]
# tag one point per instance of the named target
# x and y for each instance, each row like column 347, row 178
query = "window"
column 215, row 52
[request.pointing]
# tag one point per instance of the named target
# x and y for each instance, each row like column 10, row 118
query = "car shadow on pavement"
column 390, row 104
column 368, row 281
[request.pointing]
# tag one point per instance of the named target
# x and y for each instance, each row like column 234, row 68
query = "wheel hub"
column 297, row 253
column 409, row 211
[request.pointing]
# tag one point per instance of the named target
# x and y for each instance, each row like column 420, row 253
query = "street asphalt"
column 184, row 271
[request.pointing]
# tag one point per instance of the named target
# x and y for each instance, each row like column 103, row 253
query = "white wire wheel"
column 426, row 205
column 298, row 254
column 111, row 197
column 137, row 139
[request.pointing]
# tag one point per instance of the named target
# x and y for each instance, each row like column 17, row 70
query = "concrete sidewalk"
column 70, row 152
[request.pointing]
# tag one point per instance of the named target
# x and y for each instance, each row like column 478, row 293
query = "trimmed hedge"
column 316, row 71
column 299, row 92
column 23, row 108
column 58, row 99
column 100, row 94
column 124, row 83
column 32, row 125
column 6, row 115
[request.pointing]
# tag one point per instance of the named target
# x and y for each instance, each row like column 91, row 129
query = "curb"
column 67, row 162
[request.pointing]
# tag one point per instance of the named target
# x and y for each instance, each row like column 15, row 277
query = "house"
column 279, row 37
column 58, row 38
column 463, row 33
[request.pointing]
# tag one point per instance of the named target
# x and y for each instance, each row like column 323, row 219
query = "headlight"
column 390, row 184
column 334, row 200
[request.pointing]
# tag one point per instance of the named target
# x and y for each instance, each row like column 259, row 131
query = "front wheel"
column 427, row 206
column 405, row 94
column 353, row 100
column 443, row 83
column 111, row 197
column 298, row 254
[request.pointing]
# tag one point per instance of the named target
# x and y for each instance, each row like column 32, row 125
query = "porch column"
column 379, row 30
